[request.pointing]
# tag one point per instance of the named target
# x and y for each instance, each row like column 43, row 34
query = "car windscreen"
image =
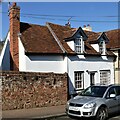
column 94, row 91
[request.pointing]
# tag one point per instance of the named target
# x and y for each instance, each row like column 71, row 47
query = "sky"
column 101, row 16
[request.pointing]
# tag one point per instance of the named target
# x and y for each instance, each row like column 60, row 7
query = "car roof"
column 110, row 85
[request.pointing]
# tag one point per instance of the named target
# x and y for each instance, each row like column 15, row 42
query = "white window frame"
column 102, row 47
column 79, row 80
column 105, row 77
column 79, row 45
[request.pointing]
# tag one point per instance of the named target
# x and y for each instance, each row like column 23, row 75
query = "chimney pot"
column 14, row 4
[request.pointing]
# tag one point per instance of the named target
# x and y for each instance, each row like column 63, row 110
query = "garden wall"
column 23, row 90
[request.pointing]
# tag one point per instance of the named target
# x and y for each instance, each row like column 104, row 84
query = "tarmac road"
column 59, row 118
column 67, row 118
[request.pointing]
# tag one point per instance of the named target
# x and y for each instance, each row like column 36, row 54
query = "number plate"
column 74, row 108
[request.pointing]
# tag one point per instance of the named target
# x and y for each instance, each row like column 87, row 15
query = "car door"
column 118, row 96
column 112, row 102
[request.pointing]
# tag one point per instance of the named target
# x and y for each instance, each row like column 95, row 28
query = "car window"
column 117, row 90
column 111, row 91
column 94, row 91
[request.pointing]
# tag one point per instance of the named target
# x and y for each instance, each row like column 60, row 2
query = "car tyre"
column 102, row 114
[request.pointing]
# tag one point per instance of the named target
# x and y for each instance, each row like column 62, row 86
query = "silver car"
column 95, row 101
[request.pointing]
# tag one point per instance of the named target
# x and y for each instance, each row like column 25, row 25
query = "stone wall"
column 22, row 90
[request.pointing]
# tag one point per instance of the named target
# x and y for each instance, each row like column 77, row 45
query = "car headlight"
column 68, row 103
column 67, row 106
column 89, row 105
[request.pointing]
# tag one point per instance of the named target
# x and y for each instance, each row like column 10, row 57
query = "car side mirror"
column 112, row 95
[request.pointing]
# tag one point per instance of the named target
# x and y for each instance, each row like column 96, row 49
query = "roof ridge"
column 113, row 30
column 54, row 24
column 33, row 24
column 56, row 38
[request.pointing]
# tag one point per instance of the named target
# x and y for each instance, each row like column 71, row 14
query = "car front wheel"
column 101, row 114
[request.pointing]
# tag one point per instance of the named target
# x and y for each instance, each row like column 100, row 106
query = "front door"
column 92, row 78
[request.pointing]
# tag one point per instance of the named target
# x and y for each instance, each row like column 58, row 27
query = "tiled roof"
column 92, row 36
column 63, row 32
column 113, row 36
column 39, row 40
column 59, row 32
column 90, row 50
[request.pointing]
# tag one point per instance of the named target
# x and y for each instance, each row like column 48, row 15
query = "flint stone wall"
column 23, row 90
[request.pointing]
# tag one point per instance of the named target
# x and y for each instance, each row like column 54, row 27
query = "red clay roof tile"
column 38, row 39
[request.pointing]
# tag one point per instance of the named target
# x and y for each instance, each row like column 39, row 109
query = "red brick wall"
column 30, row 90
column 14, row 17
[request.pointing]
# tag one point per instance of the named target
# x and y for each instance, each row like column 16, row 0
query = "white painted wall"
column 5, row 55
column 41, row 63
column 22, row 56
column 95, row 46
column 90, row 64
column 71, row 45
column 48, row 63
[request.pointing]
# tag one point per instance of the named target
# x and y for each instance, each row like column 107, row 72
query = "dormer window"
column 102, row 47
column 79, row 45
column 102, row 41
column 76, row 40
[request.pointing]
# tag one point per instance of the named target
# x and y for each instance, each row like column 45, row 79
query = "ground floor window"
column 79, row 79
column 105, row 77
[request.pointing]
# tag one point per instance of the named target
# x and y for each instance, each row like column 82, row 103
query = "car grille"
column 76, row 105
column 74, row 112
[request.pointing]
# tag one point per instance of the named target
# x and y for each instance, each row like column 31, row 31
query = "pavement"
column 43, row 113
column 34, row 113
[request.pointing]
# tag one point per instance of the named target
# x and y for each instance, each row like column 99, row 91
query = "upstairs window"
column 102, row 47
column 79, row 45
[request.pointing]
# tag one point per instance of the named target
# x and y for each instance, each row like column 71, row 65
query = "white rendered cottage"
column 59, row 49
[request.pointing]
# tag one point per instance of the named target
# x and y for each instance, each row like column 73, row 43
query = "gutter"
column 55, row 37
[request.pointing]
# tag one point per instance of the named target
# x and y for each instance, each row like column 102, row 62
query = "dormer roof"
column 103, row 37
column 75, row 33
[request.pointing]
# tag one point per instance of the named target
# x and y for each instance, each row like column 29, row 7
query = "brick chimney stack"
column 14, row 17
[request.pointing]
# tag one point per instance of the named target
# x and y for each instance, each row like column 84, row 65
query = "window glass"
column 94, row 91
column 79, row 45
column 101, row 47
column 111, row 91
column 79, row 78
column 105, row 77
column 117, row 90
